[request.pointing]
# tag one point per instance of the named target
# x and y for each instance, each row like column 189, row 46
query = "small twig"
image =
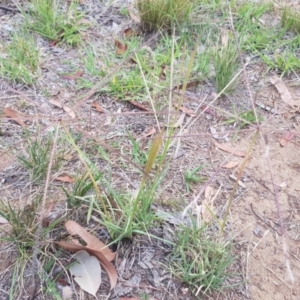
column 14, row 10
column 277, row 277
column 260, row 218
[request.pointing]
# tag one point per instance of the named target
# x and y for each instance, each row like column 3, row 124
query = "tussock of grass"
column 200, row 261
column 162, row 14
column 19, row 61
column 49, row 20
column 290, row 20
column 225, row 60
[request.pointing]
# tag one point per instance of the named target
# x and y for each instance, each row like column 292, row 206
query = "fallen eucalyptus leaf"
column 87, row 272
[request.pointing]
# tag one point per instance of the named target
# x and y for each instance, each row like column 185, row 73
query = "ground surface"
column 264, row 219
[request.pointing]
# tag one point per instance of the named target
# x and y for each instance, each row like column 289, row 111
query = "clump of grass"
column 48, row 19
column 191, row 177
column 290, row 20
column 82, row 186
column 284, row 62
column 20, row 60
column 36, row 158
column 200, row 261
column 225, row 60
column 163, row 14
column 23, row 223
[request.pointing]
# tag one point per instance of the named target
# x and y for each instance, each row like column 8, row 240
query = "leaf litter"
column 86, row 272
column 94, row 247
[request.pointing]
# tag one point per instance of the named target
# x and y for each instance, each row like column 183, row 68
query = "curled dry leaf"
column 14, row 115
column 87, row 272
column 230, row 149
column 97, row 106
column 94, row 247
column 65, row 178
column 283, row 91
column 72, row 76
column 120, row 48
column 286, row 138
column 64, row 107
column 109, row 268
column 91, row 241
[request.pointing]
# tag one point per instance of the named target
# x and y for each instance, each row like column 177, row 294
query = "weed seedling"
column 243, row 119
column 285, row 62
column 191, row 177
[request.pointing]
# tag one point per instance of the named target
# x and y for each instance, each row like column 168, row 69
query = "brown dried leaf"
column 64, row 107
column 72, row 76
column 109, row 268
column 230, row 165
column 230, row 149
column 286, row 138
column 283, row 90
column 188, row 85
column 129, row 32
column 150, row 132
column 14, row 115
column 97, row 106
column 138, row 105
column 134, row 17
column 208, row 110
column 69, row 111
column 120, row 48
column 187, row 111
column 65, row 178
column 62, row 281
column 91, row 241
